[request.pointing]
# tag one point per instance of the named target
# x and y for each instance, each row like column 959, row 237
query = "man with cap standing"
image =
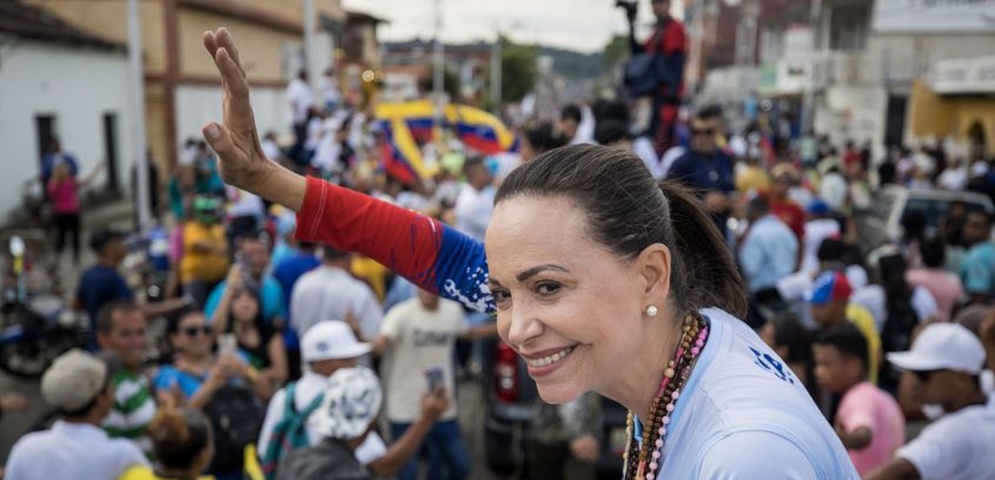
column 77, row 384
column 327, row 347
column 829, row 301
column 351, row 400
column 946, row 360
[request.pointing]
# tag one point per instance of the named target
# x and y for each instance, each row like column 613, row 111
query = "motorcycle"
column 35, row 327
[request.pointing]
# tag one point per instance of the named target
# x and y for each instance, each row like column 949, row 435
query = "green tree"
column 616, row 51
column 518, row 70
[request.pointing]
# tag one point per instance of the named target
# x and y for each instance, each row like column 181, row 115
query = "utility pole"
column 309, row 48
column 438, row 56
column 138, row 115
column 496, row 70
column 808, row 100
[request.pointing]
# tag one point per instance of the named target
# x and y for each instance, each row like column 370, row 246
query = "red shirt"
column 791, row 214
column 669, row 38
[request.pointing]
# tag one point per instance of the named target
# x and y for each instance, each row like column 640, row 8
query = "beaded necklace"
column 642, row 461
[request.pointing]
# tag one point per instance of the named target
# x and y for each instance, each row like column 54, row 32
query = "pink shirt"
column 943, row 285
column 866, row 405
column 63, row 195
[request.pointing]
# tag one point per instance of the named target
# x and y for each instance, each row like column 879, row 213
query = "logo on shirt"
column 772, row 364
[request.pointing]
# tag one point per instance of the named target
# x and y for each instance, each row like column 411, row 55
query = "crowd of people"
column 284, row 358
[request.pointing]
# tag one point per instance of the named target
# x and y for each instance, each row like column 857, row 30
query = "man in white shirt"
column 330, row 291
column 947, row 360
column 475, row 202
column 419, row 335
column 77, row 384
column 326, row 348
column 300, row 99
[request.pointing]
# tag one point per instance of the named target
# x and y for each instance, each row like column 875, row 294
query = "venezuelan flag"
column 479, row 130
column 400, row 154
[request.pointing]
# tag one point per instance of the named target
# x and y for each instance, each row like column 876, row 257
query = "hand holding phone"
column 436, row 379
column 227, row 344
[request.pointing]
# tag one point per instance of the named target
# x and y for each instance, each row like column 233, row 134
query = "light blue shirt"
column 977, row 270
column 768, row 254
column 743, row 414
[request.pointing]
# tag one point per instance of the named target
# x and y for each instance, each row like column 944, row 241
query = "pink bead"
column 659, row 441
column 699, row 343
column 663, row 432
column 665, row 420
column 650, row 476
column 695, row 351
column 670, row 407
column 676, row 394
column 656, row 456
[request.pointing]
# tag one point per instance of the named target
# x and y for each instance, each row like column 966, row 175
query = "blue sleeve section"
column 214, row 299
column 461, row 271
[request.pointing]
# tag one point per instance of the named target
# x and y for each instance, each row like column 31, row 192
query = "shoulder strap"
column 313, row 405
column 289, row 406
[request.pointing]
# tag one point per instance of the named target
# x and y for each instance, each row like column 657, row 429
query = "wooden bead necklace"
column 642, row 460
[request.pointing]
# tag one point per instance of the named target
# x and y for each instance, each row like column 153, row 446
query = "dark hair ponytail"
column 628, row 211
column 702, row 257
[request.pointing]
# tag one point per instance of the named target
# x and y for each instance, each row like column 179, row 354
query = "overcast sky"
column 584, row 25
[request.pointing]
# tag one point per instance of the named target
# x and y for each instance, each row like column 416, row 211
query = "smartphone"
column 436, row 378
column 227, row 344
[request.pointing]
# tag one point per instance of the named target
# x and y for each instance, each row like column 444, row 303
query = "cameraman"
column 668, row 46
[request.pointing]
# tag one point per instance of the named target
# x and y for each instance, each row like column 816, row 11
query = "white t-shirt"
column 815, row 232
column 307, row 389
column 300, row 97
column 71, row 451
column 957, row 446
column 643, row 147
column 742, row 414
column 419, row 339
column 244, row 204
column 833, row 190
column 329, row 293
column 473, row 210
column 953, row 178
column 872, row 297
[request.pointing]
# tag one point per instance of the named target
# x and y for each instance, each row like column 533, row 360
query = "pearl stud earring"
column 652, row 310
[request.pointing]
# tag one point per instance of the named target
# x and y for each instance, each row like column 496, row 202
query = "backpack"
column 289, row 433
column 236, row 417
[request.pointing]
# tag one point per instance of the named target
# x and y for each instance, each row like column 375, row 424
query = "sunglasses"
column 194, row 331
column 924, row 375
column 702, row 131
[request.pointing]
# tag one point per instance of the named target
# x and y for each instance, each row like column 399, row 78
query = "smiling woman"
column 601, row 279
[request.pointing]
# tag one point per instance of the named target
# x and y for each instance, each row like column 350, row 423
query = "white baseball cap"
column 331, row 340
column 351, row 402
column 943, row 346
column 74, row 380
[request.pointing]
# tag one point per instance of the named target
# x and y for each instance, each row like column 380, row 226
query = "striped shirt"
column 134, row 408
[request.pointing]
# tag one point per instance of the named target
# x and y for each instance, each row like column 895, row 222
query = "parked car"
column 882, row 223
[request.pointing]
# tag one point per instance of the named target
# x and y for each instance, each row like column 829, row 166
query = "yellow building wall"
column 932, row 115
column 108, row 19
column 259, row 47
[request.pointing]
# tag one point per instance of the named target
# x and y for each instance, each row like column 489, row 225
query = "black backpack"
column 236, row 416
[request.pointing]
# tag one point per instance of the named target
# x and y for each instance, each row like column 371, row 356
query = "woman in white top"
column 602, row 281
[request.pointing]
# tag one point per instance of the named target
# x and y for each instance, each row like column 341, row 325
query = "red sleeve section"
column 399, row 239
column 675, row 39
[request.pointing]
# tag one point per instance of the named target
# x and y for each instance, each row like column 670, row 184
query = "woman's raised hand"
column 240, row 155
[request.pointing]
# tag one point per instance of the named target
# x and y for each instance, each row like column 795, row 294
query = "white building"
column 872, row 53
column 57, row 80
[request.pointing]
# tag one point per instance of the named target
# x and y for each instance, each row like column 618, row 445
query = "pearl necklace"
column 642, row 461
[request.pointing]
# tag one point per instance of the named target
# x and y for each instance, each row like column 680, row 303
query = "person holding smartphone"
column 419, row 335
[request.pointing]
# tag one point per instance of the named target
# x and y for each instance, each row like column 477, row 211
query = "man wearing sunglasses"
column 947, row 360
column 705, row 168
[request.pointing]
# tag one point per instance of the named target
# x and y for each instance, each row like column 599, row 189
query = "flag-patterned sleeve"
column 427, row 252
